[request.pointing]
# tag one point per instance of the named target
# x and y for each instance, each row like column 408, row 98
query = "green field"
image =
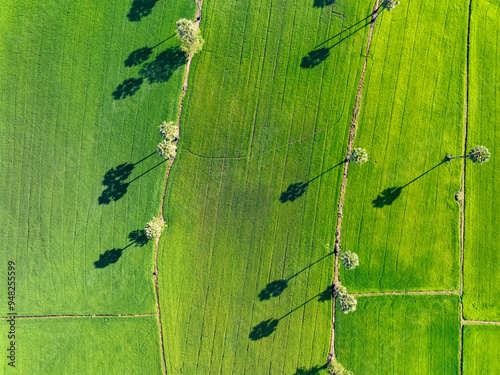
column 86, row 346
column 400, row 335
column 401, row 217
column 60, row 64
column 481, row 293
column 231, row 229
column 481, row 350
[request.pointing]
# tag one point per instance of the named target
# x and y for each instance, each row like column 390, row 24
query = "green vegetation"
column 482, row 194
column 347, row 302
column 481, row 349
column 77, row 181
column 153, row 228
column 359, row 156
column 95, row 345
column 400, row 335
column 245, row 279
column 189, row 35
column 400, row 211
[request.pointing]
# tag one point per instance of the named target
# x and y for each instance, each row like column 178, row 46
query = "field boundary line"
column 461, row 198
column 343, row 185
column 479, row 322
column 199, row 4
column 77, row 316
column 409, row 293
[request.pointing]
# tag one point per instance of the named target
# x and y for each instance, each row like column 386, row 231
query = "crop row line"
column 76, row 316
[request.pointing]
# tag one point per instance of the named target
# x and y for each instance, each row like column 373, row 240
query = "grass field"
column 63, row 130
column 235, row 225
column 401, row 217
column 481, row 293
column 400, row 335
column 86, row 346
column 481, row 350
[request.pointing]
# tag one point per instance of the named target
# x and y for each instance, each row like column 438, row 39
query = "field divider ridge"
column 199, row 4
column 352, row 135
column 409, row 293
column 77, row 316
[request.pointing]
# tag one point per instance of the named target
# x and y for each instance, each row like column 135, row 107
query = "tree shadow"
column 315, row 58
column 164, row 65
column 114, row 180
column 389, row 195
column 140, row 8
column 276, row 287
column 323, row 3
column 263, row 329
column 267, row 327
column 136, row 237
column 140, row 55
column 311, row 371
column 273, row 289
column 128, row 88
column 298, row 189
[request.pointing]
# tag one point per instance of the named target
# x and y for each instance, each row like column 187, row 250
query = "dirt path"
column 352, row 134
column 157, row 243
column 411, row 293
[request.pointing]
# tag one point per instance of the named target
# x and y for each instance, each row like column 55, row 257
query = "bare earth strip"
column 352, row 134
column 478, row 322
column 183, row 94
column 412, row 293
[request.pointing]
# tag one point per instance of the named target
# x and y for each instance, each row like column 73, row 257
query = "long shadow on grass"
column 115, row 180
column 276, row 287
column 318, row 55
column 158, row 71
column 137, row 238
column 140, row 55
column 323, row 3
column 267, row 327
column 140, row 8
column 389, row 195
column 298, row 189
column 315, row 370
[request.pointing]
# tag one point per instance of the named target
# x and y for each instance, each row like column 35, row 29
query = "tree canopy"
column 166, row 149
column 153, row 228
column 189, row 35
column 169, row 131
column 350, row 260
column 479, row 154
column 359, row 156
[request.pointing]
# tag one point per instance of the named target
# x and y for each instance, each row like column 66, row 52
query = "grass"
column 255, row 123
column 400, row 335
column 60, row 63
column 481, row 295
column 481, row 350
column 401, row 217
column 86, row 346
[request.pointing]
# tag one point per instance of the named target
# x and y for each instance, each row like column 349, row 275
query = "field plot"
column 78, row 120
column 252, row 196
column 400, row 214
column 87, row 346
column 400, row 335
column 481, row 350
column 481, row 257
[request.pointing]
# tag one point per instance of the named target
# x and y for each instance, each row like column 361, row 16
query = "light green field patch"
column 252, row 198
column 400, row 335
column 482, row 259
column 61, row 67
column 400, row 214
column 84, row 346
column 481, row 349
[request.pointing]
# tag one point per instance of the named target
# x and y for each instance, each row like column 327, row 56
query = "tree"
column 189, row 35
column 153, row 228
column 169, row 131
column 359, row 156
column 336, row 368
column 478, row 154
column 347, row 302
column 389, row 4
column 166, row 149
column 350, row 260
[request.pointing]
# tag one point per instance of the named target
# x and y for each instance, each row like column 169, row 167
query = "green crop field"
column 401, row 215
column 400, row 335
column 277, row 95
column 481, row 350
column 482, row 260
column 84, row 346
